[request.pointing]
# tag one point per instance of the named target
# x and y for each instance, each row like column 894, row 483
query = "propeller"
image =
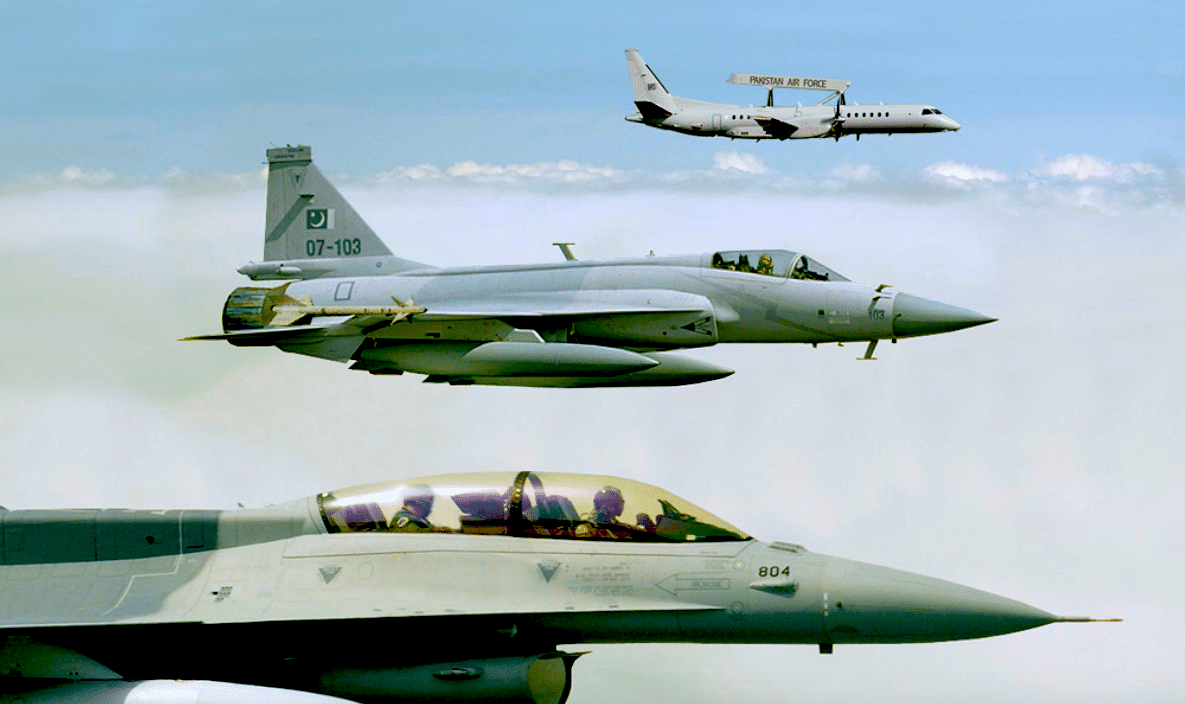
column 837, row 128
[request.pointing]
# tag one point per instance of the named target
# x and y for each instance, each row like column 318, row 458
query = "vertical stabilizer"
column 650, row 95
column 307, row 218
column 311, row 231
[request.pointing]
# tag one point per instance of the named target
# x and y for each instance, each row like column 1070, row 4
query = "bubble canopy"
column 777, row 263
column 527, row 504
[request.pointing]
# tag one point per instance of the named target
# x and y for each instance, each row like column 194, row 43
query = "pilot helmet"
column 419, row 498
column 608, row 502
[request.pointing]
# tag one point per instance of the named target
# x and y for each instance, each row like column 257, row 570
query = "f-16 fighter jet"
column 658, row 108
column 442, row 589
column 570, row 323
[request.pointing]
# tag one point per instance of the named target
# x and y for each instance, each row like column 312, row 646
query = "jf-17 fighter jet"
column 449, row 588
column 570, row 323
column 658, row 108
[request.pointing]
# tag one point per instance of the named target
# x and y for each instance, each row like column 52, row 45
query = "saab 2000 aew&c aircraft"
column 658, row 108
column 452, row 588
column 568, row 324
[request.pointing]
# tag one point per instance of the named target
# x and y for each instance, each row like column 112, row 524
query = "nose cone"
column 913, row 316
column 950, row 125
column 872, row 604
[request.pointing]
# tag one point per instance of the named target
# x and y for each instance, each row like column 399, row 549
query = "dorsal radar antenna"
column 834, row 86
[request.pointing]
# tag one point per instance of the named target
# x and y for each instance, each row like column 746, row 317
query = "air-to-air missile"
column 570, row 323
column 450, row 588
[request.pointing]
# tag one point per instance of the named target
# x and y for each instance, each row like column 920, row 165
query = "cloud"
column 1022, row 461
column 69, row 177
column 856, row 173
column 419, row 172
column 737, row 162
column 1133, row 185
column 566, row 171
column 1087, row 167
column 957, row 175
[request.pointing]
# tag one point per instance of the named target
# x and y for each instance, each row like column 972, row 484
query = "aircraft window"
column 774, row 262
column 937, row 111
column 806, row 269
column 565, row 506
column 926, row 111
column 768, row 262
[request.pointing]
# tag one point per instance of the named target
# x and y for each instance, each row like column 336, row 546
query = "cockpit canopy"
column 529, row 504
column 931, row 111
column 774, row 262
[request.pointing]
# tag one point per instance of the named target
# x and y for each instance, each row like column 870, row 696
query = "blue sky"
column 1038, row 457
column 142, row 87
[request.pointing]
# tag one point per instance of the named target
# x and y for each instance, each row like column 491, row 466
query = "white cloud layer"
column 568, row 172
column 1086, row 167
column 856, row 173
column 743, row 163
column 1037, row 457
column 1077, row 180
column 957, row 175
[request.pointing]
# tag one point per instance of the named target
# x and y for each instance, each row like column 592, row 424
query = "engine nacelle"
column 531, row 679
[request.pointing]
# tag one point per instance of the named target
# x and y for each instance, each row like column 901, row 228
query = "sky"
column 1038, row 457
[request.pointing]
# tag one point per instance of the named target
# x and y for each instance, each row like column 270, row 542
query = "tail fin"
column 304, row 209
column 650, row 95
column 311, row 230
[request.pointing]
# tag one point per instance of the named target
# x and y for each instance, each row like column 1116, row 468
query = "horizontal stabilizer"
column 650, row 111
column 264, row 337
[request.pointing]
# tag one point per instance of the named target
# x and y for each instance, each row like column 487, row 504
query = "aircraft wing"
column 307, row 323
column 778, row 129
column 570, row 304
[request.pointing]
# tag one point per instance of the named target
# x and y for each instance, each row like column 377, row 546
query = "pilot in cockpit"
column 802, row 270
column 417, row 504
column 765, row 265
column 608, row 504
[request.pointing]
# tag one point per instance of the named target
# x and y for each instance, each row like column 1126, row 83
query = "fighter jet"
column 571, row 323
column 658, row 108
column 448, row 588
